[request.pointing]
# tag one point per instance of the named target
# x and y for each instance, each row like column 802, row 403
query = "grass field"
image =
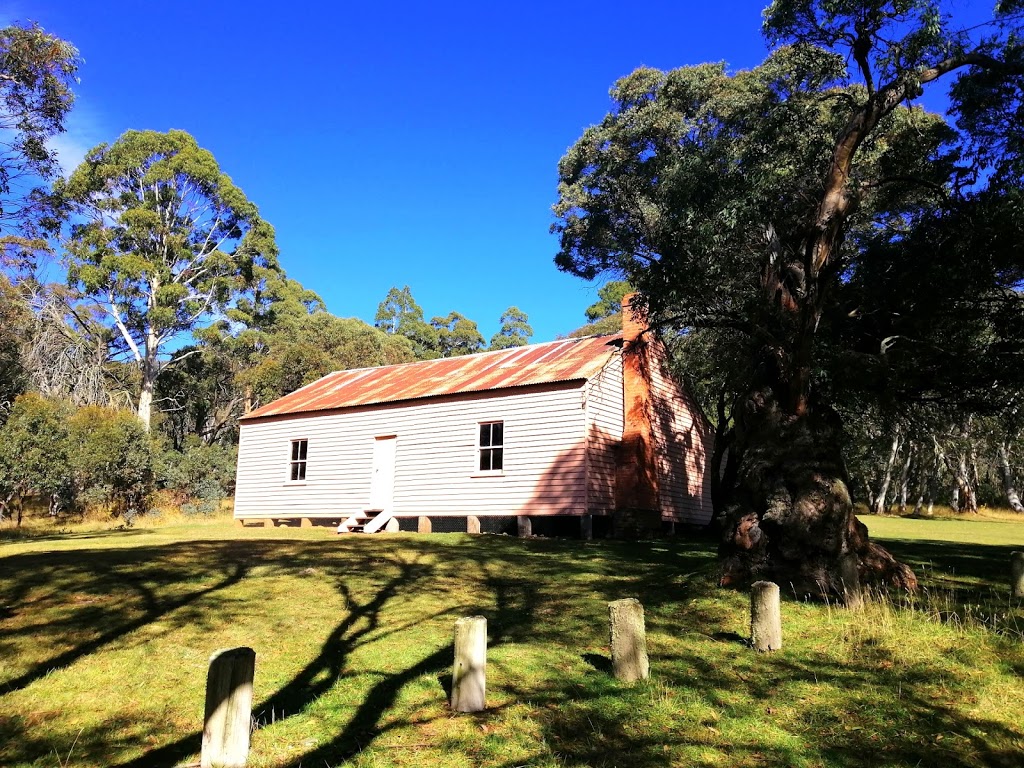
column 105, row 637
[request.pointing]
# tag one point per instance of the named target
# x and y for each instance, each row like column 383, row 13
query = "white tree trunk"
column 883, row 491
column 905, row 479
column 1009, row 487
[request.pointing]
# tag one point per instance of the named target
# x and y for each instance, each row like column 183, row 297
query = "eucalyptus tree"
column 162, row 242
column 400, row 314
column 37, row 71
column 456, row 335
column 515, row 330
column 742, row 206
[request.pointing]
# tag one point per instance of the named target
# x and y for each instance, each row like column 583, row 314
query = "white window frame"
column 490, row 447
column 302, row 462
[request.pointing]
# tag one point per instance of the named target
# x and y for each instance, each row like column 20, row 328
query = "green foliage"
column 457, row 335
column 36, row 74
column 399, row 314
column 202, row 475
column 609, row 300
column 111, row 460
column 14, row 319
column 163, row 241
column 34, row 452
column 515, row 330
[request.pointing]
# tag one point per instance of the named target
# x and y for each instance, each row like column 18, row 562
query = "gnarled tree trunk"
column 791, row 520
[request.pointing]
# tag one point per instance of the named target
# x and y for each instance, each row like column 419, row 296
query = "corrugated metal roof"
column 553, row 361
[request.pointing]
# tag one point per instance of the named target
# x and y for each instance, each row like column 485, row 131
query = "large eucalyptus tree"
column 751, row 208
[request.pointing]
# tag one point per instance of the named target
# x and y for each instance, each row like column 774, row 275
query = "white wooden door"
column 382, row 481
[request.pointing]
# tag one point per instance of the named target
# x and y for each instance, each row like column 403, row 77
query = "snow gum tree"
column 162, row 242
column 746, row 208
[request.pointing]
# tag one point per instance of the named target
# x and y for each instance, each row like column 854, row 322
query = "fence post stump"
column 629, row 640
column 524, row 526
column 849, row 574
column 472, row 524
column 1017, row 574
column 392, row 525
column 228, row 714
column 765, row 616
column 469, row 672
column 423, row 525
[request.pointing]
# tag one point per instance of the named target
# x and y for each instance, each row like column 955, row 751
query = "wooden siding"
column 436, row 457
column 684, row 442
column 604, row 432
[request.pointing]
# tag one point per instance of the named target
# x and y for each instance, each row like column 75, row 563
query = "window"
column 297, row 466
column 491, row 446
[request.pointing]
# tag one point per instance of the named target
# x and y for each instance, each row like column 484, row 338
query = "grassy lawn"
column 105, row 637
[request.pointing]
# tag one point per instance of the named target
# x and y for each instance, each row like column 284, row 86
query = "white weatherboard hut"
column 591, row 428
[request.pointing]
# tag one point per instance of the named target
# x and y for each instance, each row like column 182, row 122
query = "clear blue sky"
column 389, row 143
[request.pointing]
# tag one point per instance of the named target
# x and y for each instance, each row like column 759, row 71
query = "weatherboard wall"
column 436, row 469
column 605, row 415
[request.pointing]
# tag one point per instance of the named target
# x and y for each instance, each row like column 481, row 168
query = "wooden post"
column 1017, row 574
column 239, row 522
column 268, row 523
column 525, row 527
column 228, row 708
column 629, row 640
column 849, row 574
column 423, row 525
column 392, row 525
column 586, row 527
column 469, row 672
column 765, row 616
column 305, row 523
column 472, row 524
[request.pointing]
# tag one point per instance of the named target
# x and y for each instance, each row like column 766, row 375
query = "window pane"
column 295, row 471
column 485, row 435
column 303, row 444
column 295, row 449
column 497, row 428
column 496, row 458
column 485, row 460
column 301, row 467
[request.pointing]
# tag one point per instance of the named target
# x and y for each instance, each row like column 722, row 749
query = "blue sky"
column 389, row 143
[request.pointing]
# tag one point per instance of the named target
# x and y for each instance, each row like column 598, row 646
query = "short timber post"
column 392, row 525
column 1017, row 574
column 469, row 672
column 472, row 524
column 629, row 640
column 765, row 616
column 423, row 525
column 849, row 574
column 524, row 526
column 228, row 708
column 586, row 527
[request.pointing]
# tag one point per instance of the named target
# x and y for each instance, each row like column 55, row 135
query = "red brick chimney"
column 636, row 479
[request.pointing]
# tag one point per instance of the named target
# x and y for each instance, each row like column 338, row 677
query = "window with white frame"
column 491, row 446
column 297, row 465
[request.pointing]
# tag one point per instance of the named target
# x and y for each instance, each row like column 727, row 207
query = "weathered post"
column 765, row 616
column 228, row 708
column 423, row 525
column 524, row 526
column 629, row 640
column 1017, row 574
column 392, row 525
column 849, row 575
column 469, row 672
column 586, row 527
column 472, row 524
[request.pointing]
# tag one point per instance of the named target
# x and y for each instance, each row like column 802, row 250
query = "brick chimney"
column 636, row 478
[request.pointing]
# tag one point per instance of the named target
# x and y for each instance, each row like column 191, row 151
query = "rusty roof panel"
column 553, row 361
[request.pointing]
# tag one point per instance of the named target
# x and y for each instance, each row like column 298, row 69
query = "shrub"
column 111, row 458
column 201, row 476
column 34, row 453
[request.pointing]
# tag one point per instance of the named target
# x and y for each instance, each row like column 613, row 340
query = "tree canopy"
column 515, row 330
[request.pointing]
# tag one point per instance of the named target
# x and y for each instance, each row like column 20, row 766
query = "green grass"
column 105, row 637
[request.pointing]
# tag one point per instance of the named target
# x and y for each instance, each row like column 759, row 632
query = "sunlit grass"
column 105, row 636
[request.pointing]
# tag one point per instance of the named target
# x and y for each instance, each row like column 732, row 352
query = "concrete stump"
column 525, row 527
column 849, row 573
column 472, row 524
column 392, row 525
column 629, row 640
column 1017, row 574
column 268, row 523
column 305, row 523
column 469, row 672
column 423, row 525
column 228, row 716
column 765, row 616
